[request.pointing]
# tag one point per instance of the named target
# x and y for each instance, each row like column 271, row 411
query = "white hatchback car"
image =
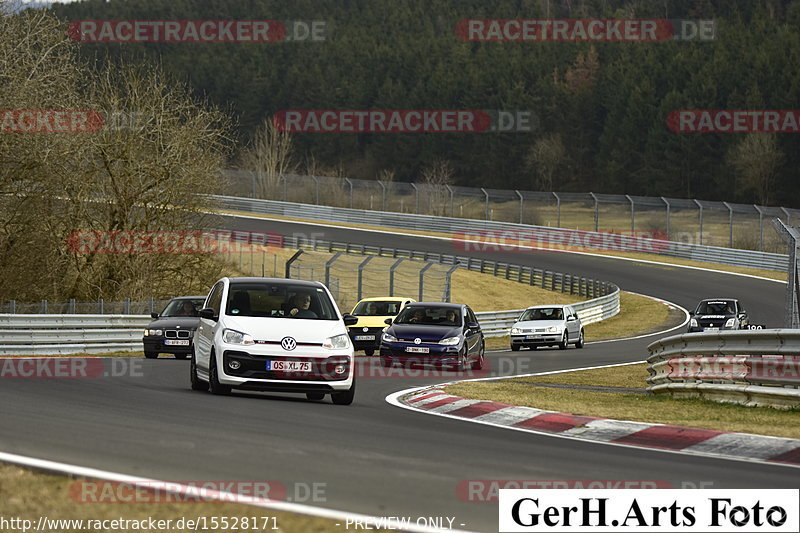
column 547, row 325
column 272, row 334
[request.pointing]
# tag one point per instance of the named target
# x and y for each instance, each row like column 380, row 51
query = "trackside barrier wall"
column 509, row 234
column 67, row 334
column 751, row 367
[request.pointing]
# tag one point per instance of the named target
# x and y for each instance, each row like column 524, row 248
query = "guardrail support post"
column 633, row 215
column 126, row 306
column 383, row 195
column 316, row 188
column 350, row 183
column 43, row 307
column 521, row 205
column 12, row 307
column 72, row 306
column 452, row 207
column 422, row 281
column 361, row 273
column 416, row 196
column 760, row 228
column 558, row 210
column 596, row 211
column 100, row 306
column 391, row 275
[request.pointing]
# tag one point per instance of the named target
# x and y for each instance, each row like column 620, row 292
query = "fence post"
column 558, row 210
column 450, row 190
column 633, row 215
column 701, row 220
column 486, row 194
column 289, row 262
column 416, row 197
column 150, row 305
column 422, row 281
column 350, row 183
column 760, row 228
column 361, row 273
column 668, row 209
column 285, row 186
column 383, row 195
column 101, row 306
column 448, row 283
column 730, row 224
column 328, row 264
column 12, row 306
column 521, row 205
column 596, row 211
column 391, row 275
column 43, row 307
column 126, row 306
column 72, row 306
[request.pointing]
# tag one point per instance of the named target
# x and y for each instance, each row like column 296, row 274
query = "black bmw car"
column 439, row 334
column 172, row 330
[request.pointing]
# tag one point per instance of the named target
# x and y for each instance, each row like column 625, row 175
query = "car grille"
column 533, row 330
column 253, row 367
column 177, row 334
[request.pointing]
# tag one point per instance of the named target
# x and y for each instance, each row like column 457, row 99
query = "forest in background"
column 602, row 107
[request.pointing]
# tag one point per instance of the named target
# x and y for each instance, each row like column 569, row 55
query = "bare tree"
column 436, row 179
column 270, row 157
column 756, row 160
column 546, row 159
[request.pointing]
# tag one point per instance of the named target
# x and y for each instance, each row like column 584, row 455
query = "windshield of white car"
column 550, row 313
column 432, row 316
column 279, row 300
column 377, row 308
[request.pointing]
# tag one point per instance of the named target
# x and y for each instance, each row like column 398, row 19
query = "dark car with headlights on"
column 438, row 334
column 715, row 314
column 172, row 329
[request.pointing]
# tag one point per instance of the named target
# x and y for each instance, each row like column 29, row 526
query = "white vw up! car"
column 271, row 334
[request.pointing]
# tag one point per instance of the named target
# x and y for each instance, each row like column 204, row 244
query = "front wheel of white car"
column 345, row 397
column 213, row 379
column 563, row 344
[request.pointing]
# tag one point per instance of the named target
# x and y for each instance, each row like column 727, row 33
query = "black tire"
column 478, row 365
column 369, row 352
column 213, row 380
column 196, row 382
column 181, row 355
column 344, row 397
column 563, row 344
column 581, row 341
column 463, row 361
column 515, row 347
column 315, row 396
column 151, row 355
column 532, row 347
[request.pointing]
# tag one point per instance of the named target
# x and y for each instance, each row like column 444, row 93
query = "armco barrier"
column 68, row 334
column 758, row 367
column 508, row 234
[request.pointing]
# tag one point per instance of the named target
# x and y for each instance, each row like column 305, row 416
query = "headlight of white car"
column 693, row 323
column 231, row 336
column 552, row 329
column 450, row 341
column 388, row 338
column 337, row 342
column 730, row 322
column 516, row 331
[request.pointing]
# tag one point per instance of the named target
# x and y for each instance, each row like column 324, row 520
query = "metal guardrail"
column 67, row 334
column 498, row 323
column 471, row 234
column 752, row 367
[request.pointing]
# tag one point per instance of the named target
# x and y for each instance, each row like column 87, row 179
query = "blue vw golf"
column 440, row 334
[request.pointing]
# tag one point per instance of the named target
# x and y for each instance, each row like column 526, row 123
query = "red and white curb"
column 680, row 439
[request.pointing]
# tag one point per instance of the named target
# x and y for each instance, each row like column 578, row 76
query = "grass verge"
column 626, row 405
column 28, row 494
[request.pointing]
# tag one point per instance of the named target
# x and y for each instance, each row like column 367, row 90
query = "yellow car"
column 372, row 314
